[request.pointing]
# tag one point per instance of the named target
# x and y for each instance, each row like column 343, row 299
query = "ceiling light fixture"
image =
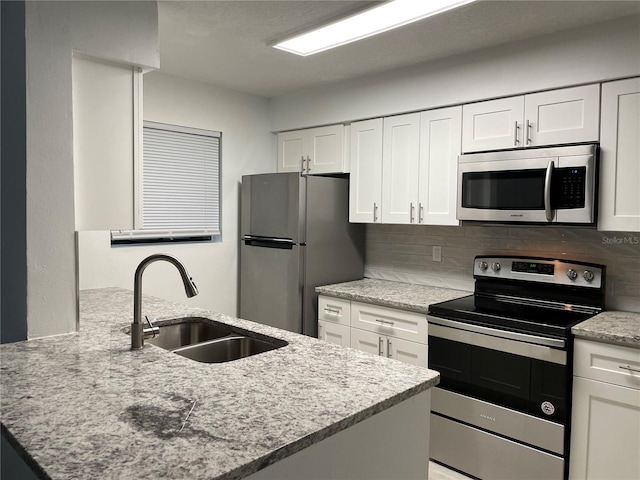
column 380, row 19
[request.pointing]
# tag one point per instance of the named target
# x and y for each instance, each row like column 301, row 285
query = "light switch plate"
column 437, row 253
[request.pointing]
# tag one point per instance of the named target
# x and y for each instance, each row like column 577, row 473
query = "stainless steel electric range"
column 503, row 406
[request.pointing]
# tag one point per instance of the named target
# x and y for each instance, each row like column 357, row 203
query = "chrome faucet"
column 138, row 332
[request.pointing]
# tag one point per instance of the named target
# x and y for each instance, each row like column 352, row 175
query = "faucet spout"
column 137, row 327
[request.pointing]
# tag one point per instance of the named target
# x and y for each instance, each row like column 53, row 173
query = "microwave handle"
column 547, row 192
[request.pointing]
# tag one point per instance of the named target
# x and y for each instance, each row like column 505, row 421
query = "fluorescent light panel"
column 371, row 22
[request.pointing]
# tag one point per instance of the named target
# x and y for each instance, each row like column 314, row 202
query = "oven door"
column 502, row 187
column 522, row 372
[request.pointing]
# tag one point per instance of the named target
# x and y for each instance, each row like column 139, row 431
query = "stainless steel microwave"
column 545, row 185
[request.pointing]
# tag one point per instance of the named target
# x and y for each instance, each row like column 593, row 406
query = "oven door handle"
column 532, row 346
column 547, row 191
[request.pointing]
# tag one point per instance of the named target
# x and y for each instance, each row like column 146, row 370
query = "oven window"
column 504, row 190
column 509, row 380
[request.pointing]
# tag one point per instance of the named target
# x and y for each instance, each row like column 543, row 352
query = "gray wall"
column 13, row 193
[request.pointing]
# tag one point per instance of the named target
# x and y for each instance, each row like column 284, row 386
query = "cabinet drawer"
column 334, row 310
column 607, row 363
column 388, row 321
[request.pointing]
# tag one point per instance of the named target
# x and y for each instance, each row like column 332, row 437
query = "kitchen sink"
column 228, row 349
column 200, row 340
column 189, row 331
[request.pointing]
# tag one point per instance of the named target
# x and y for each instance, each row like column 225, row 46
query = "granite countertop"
column 405, row 296
column 84, row 405
column 622, row 328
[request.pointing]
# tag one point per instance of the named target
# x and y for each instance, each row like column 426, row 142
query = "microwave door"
column 506, row 191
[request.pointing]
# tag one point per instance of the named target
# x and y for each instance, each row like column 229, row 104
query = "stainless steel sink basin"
column 228, row 349
column 189, row 331
column 198, row 339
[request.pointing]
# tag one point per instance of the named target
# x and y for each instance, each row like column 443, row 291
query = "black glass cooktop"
column 511, row 316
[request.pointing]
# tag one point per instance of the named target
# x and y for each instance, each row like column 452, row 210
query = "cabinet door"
column 440, row 139
column 400, row 158
column 326, row 150
column 407, row 352
column 569, row 115
column 605, row 433
column 620, row 157
column 291, row 151
column 334, row 333
column 365, row 187
column 492, row 125
column 369, row 342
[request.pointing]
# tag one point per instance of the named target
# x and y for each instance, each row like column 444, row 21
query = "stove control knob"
column 572, row 274
column 495, row 266
column 588, row 275
column 483, row 266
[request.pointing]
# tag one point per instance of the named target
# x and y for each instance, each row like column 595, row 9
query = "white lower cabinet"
column 381, row 331
column 332, row 333
column 605, row 434
column 334, row 320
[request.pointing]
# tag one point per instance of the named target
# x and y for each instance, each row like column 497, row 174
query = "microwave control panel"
column 568, row 187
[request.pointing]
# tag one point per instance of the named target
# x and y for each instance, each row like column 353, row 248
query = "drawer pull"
column 630, row 368
column 330, row 311
column 385, row 322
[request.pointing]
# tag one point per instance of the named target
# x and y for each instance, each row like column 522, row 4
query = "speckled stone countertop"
column 84, row 405
column 612, row 327
column 405, row 296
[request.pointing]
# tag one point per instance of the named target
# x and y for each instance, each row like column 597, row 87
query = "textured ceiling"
column 226, row 43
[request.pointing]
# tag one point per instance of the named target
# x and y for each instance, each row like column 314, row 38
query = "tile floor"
column 438, row 472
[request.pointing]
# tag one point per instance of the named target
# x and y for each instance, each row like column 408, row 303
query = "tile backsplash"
column 404, row 253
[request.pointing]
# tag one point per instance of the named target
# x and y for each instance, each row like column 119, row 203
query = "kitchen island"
column 84, row 405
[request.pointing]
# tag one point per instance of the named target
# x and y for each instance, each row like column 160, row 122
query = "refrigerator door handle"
column 269, row 242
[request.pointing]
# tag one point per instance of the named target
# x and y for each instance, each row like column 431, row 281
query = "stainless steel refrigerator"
column 295, row 235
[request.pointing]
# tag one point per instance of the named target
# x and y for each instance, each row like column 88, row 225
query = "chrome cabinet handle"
column 515, row 135
column 528, row 133
column 308, row 166
column 375, row 212
column 331, row 311
column 547, row 192
column 630, row 368
column 388, row 348
column 302, row 166
column 385, row 322
column 411, row 212
column 420, row 213
column 379, row 346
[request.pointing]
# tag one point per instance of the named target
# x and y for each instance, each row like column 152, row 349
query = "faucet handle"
column 152, row 331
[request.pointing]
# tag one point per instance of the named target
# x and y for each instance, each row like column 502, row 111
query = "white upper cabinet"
column 492, row 125
column 619, row 208
column 400, row 163
column 365, row 188
column 313, row 151
column 569, row 115
column 440, row 139
column 404, row 167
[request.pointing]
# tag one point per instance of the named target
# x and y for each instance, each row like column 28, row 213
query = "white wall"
column 584, row 55
column 103, row 140
column 120, row 31
column 247, row 147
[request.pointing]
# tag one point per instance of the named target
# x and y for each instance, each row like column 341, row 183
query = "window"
column 180, row 194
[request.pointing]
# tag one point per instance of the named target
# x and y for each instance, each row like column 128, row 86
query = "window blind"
column 180, row 180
